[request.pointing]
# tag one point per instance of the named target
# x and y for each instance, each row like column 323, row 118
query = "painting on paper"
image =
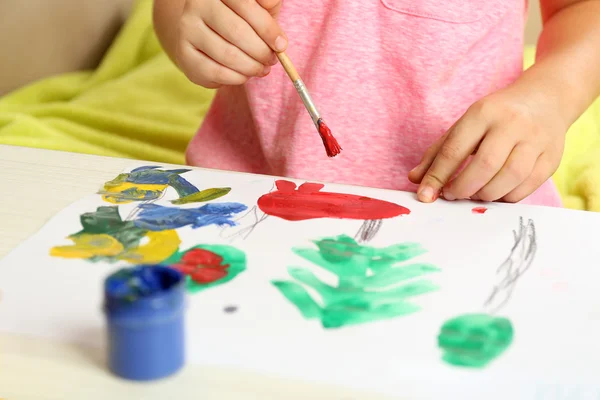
column 362, row 288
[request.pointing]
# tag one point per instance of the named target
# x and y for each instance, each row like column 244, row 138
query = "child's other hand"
column 516, row 143
column 226, row 42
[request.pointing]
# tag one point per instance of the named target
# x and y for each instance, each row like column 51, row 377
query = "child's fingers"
column 224, row 53
column 233, row 28
column 203, row 71
column 493, row 151
column 261, row 21
column 516, row 170
column 542, row 171
column 417, row 173
column 459, row 144
column 272, row 6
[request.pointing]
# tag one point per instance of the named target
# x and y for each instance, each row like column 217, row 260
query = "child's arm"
column 518, row 133
column 220, row 42
column 568, row 54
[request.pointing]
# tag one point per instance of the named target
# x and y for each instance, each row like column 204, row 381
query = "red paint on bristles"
column 332, row 146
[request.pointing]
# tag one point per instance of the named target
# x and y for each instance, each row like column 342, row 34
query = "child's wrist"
column 551, row 93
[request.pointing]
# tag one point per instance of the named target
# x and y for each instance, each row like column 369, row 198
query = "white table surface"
column 35, row 185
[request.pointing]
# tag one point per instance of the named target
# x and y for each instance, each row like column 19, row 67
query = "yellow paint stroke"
column 161, row 245
column 202, row 196
column 114, row 192
column 89, row 245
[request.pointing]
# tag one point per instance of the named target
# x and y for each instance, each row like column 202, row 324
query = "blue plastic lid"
column 144, row 288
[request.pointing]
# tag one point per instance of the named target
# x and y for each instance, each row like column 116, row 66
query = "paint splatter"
column 479, row 210
column 474, row 340
column 308, row 202
column 157, row 218
column 106, row 237
column 149, row 183
column 371, row 286
column 207, row 266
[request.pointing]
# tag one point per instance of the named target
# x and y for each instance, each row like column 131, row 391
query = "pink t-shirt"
column 388, row 76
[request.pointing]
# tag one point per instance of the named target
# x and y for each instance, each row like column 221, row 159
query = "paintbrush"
column 331, row 145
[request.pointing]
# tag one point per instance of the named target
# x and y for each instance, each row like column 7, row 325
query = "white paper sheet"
column 554, row 306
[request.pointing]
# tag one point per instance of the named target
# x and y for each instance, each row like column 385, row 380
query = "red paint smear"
column 479, row 210
column 332, row 146
column 201, row 256
column 184, row 268
column 308, row 202
column 208, row 275
column 202, row 266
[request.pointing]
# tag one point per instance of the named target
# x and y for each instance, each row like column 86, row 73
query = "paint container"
column 144, row 308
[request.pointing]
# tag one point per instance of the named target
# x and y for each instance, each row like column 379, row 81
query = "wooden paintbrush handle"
column 288, row 66
column 300, row 88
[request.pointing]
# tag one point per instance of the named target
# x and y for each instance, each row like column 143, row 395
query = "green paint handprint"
column 371, row 285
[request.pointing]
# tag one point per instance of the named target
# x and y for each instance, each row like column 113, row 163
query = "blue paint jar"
column 144, row 307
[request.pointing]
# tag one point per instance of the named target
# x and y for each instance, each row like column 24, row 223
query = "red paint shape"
column 208, row 274
column 203, row 266
column 202, row 257
column 308, row 187
column 479, row 210
column 299, row 205
column 184, row 268
column 285, row 186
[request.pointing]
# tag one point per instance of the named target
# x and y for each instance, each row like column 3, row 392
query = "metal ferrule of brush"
column 308, row 103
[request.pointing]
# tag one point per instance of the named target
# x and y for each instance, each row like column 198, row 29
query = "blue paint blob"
column 144, row 307
column 153, row 175
column 154, row 217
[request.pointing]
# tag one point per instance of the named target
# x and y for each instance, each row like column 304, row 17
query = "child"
column 401, row 83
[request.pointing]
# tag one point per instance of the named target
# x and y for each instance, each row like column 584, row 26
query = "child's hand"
column 226, row 42
column 516, row 143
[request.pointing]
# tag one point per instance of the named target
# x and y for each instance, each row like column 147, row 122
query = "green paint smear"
column 232, row 256
column 106, row 220
column 473, row 340
column 371, row 285
column 202, row 196
column 119, row 179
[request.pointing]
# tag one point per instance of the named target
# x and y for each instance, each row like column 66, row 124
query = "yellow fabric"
column 578, row 177
column 135, row 105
